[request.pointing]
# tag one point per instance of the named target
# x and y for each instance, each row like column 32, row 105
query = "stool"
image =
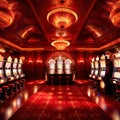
column 59, row 79
column 11, row 88
column 1, row 94
column 5, row 91
column 117, row 94
column 51, row 79
column 67, row 78
column 17, row 86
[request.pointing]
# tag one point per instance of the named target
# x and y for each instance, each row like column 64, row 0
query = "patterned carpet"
column 60, row 103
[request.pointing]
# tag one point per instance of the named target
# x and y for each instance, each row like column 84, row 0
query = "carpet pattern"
column 60, row 103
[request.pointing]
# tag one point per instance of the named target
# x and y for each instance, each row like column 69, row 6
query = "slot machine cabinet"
column 92, row 68
column 2, row 75
column 96, row 70
column 14, row 68
column 68, row 73
column 51, row 71
column 19, row 69
column 105, row 73
column 115, row 80
column 8, row 69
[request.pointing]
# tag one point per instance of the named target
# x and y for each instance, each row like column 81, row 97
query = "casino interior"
column 60, row 59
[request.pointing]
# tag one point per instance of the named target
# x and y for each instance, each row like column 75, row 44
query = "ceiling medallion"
column 115, row 14
column 62, row 17
column 60, row 44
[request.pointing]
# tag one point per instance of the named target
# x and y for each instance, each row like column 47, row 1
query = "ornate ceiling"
column 24, row 25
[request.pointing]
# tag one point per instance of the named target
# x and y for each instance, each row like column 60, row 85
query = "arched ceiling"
column 30, row 30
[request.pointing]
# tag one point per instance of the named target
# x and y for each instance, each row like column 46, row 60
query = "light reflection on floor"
column 14, row 102
column 106, row 103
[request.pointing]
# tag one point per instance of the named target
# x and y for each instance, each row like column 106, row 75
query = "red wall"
column 35, row 64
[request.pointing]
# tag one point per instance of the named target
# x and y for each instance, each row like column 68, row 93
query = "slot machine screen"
column 14, row 65
column 19, row 71
column 96, row 64
column 8, row 65
column 19, row 65
column 118, row 61
column 115, row 63
column 102, row 73
column 116, row 74
column 92, row 65
column 96, row 72
column 1, row 73
column 102, row 64
column 1, row 64
column 15, row 71
column 8, row 72
column 92, row 72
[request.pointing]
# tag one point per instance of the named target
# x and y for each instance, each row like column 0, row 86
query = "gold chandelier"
column 115, row 14
column 62, row 17
column 60, row 44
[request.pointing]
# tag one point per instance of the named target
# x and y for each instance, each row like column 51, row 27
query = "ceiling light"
column 115, row 14
column 6, row 15
column 60, row 44
column 62, row 17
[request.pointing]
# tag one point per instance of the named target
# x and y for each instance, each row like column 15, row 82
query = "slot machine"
column 92, row 68
column 60, row 65
column 67, row 66
column 68, row 73
column 115, row 80
column 105, row 73
column 51, row 71
column 19, row 69
column 14, row 68
column 2, row 77
column 8, row 69
column 96, row 70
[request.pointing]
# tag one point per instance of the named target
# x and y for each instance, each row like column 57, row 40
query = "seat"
column 117, row 92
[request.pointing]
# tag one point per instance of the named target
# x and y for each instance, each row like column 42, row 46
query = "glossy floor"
column 15, row 101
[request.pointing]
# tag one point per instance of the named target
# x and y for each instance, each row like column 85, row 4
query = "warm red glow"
column 39, row 61
column 30, row 60
column 62, row 17
column 81, row 61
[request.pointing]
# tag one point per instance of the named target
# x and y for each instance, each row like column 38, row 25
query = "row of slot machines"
column 10, row 69
column 106, row 71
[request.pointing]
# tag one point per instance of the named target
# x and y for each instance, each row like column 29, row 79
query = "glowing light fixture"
column 6, row 15
column 62, row 17
column 60, row 44
column 115, row 14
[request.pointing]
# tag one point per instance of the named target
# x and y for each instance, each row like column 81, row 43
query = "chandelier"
column 60, row 44
column 62, row 17
column 115, row 14
column 6, row 15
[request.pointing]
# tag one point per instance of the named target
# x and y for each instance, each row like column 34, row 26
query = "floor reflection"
column 14, row 102
column 106, row 102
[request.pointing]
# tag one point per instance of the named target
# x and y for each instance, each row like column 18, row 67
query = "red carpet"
column 60, row 103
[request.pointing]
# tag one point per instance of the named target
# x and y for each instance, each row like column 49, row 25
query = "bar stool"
column 117, row 94
column 11, row 88
column 51, row 80
column 91, row 82
column 5, row 89
column 59, row 79
column 1, row 94
column 17, row 86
